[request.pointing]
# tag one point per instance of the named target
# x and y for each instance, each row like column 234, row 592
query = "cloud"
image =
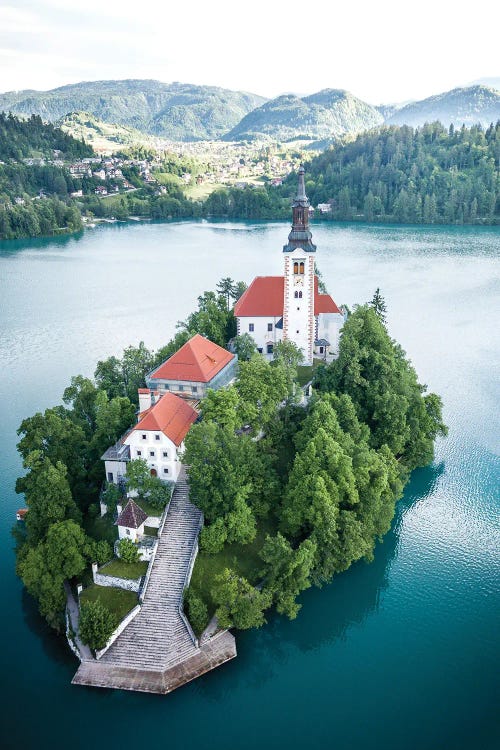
column 380, row 51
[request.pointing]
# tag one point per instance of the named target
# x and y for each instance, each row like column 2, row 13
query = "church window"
column 251, row 327
column 165, row 454
column 269, row 326
column 301, row 268
column 300, row 295
column 152, row 454
column 296, row 267
column 296, row 295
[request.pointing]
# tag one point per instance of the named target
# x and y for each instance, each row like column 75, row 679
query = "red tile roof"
column 264, row 298
column 132, row 516
column 323, row 303
column 171, row 415
column 143, row 390
column 199, row 360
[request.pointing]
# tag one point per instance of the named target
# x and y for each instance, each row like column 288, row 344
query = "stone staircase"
column 156, row 649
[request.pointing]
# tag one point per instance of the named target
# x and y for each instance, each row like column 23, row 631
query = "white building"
column 290, row 307
column 158, row 437
column 130, row 521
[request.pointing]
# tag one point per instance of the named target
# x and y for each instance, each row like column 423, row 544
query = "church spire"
column 300, row 235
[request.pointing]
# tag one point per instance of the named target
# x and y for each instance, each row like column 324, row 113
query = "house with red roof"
column 158, row 438
column 196, row 367
column 291, row 307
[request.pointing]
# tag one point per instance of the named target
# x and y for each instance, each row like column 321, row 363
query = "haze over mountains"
column 186, row 112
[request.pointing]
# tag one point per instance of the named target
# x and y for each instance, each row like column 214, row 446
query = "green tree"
column 44, row 567
column 244, row 346
column 196, row 610
column 221, row 407
column 47, row 493
column 97, row 624
column 239, row 604
column 287, row 571
column 138, row 476
column 373, row 370
column 378, row 304
column 226, row 288
column 128, row 551
column 261, row 388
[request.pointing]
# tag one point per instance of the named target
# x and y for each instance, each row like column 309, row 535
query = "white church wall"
column 260, row 333
column 329, row 325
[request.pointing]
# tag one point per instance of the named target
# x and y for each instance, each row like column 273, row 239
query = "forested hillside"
column 21, row 139
column 429, row 175
column 179, row 111
column 326, row 114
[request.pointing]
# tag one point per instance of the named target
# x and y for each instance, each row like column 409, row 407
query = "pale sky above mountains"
column 385, row 51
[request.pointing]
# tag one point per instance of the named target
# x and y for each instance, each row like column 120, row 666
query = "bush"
column 97, row 624
column 127, row 551
column 197, row 611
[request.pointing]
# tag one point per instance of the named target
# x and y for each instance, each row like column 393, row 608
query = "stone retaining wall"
column 129, row 584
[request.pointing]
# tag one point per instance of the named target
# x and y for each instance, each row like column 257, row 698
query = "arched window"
column 300, row 295
column 301, row 267
column 296, row 267
column 296, row 295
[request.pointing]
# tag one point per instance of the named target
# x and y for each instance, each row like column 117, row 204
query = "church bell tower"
column 298, row 308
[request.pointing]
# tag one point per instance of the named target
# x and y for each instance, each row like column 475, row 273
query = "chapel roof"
column 132, row 516
column 199, row 361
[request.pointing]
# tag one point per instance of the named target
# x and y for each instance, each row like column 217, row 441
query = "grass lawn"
column 150, row 531
column 118, row 601
column 200, row 192
column 122, row 569
column 306, row 372
column 101, row 527
column 244, row 559
column 147, row 508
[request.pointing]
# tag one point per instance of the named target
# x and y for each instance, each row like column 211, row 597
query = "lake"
column 401, row 653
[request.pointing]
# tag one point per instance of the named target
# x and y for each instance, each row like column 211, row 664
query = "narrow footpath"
column 156, row 652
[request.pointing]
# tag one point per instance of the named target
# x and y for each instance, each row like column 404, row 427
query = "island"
column 260, row 452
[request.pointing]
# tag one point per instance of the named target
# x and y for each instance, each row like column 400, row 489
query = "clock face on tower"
column 299, row 281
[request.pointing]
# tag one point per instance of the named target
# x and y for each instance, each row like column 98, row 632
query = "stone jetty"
column 157, row 652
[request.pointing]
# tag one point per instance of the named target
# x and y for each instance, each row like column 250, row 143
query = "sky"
column 383, row 51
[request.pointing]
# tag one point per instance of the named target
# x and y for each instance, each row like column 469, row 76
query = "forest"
column 428, row 175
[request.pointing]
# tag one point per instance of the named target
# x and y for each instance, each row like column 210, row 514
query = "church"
column 290, row 307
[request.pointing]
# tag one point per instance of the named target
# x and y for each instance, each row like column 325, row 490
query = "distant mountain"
column 329, row 113
column 462, row 106
column 491, row 83
column 178, row 111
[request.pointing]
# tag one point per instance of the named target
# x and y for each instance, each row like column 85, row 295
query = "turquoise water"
column 399, row 653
